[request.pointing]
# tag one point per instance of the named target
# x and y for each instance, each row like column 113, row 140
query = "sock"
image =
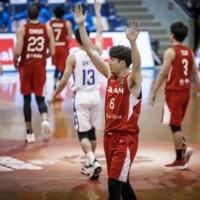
column 87, row 162
column 29, row 131
column 91, row 157
column 178, row 154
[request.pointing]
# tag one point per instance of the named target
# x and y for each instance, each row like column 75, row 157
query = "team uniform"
column 86, row 95
column 177, row 90
column 61, row 44
column 122, row 111
column 33, row 59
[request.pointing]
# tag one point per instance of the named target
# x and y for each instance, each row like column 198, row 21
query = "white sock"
column 87, row 163
column 91, row 157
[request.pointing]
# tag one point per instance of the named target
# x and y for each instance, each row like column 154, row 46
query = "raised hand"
column 97, row 6
column 132, row 34
column 78, row 15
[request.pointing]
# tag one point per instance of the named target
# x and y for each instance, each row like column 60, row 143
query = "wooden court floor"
column 51, row 171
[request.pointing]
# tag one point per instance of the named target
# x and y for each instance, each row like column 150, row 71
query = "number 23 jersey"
column 178, row 78
column 36, row 43
column 85, row 74
column 122, row 109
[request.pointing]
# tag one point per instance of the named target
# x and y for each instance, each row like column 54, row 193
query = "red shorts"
column 32, row 80
column 120, row 151
column 59, row 58
column 175, row 107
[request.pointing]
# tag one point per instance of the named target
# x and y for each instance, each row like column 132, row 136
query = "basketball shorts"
column 120, row 151
column 175, row 107
column 86, row 109
column 32, row 80
column 59, row 58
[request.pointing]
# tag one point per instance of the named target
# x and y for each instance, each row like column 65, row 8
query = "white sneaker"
column 187, row 152
column 30, row 138
column 95, row 170
column 45, row 131
column 86, row 170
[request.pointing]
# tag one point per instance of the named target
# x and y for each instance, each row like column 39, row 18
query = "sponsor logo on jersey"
column 7, row 51
column 116, row 90
column 36, row 31
column 58, row 25
column 182, row 81
column 184, row 52
column 122, row 82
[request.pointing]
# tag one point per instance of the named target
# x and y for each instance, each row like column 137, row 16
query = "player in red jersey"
column 1, row 69
column 122, row 109
column 33, row 41
column 178, row 65
column 62, row 30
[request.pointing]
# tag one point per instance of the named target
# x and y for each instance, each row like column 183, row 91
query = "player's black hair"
column 78, row 36
column 59, row 12
column 33, row 12
column 121, row 53
column 179, row 30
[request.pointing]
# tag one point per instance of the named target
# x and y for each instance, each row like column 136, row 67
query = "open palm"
column 135, row 29
column 78, row 15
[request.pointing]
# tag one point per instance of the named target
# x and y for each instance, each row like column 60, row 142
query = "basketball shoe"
column 187, row 152
column 45, row 131
column 177, row 165
column 86, row 170
column 95, row 170
column 30, row 138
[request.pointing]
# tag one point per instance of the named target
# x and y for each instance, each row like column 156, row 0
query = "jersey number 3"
column 185, row 66
column 88, row 77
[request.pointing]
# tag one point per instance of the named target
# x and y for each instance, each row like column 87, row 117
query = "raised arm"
column 168, row 58
column 135, row 78
column 19, row 45
column 99, row 37
column 70, row 64
column 96, row 59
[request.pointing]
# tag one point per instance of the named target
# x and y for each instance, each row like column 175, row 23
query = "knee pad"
column 82, row 135
column 114, row 187
column 175, row 128
column 91, row 134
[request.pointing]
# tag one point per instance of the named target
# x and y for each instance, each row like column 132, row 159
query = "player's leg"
column 26, row 90
column 127, row 191
column 56, row 78
column 39, row 80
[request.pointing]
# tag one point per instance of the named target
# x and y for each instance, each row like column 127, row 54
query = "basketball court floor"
column 51, row 171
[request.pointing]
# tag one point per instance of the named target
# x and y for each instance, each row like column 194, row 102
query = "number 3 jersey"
column 178, row 78
column 36, row 43
column 85, row 74
column 122, row 109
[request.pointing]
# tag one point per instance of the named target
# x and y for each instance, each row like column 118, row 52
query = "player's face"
column 114, row 65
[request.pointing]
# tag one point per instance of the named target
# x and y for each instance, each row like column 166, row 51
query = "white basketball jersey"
column 85, row 73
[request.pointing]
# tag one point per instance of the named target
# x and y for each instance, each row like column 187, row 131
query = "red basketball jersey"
column 122, row 109
column 178, row 78
column 36, row 43
column 60, row 33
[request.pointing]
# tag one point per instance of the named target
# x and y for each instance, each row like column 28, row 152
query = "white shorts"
column 86, row 109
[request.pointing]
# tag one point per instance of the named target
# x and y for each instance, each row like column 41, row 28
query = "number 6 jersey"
column 36, row 43
column 85, row 74
column 178, row 78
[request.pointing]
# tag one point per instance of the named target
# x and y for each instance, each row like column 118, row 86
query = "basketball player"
column 178, row 65
column 1, row 69
column 33, row 40
column 86, row 96
column 62, row 30
column 122, row 109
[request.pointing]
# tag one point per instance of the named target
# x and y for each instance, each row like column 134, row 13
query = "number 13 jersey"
column 178, row 78
column 36, row 43
column 85, row 74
